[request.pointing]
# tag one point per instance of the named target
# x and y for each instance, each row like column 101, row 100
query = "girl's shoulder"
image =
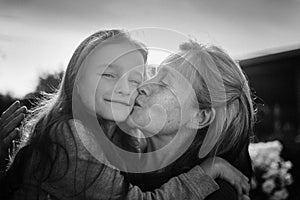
column 67, row 128
column 79, row 139
column 68, row 133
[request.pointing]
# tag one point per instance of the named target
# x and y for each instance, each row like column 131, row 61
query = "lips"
column 137, row 102
column 118, row 101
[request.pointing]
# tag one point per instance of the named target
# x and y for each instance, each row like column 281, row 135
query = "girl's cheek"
column 133, row 95
column 107, row 84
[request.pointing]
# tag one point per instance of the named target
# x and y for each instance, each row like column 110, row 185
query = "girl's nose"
column 123, row 87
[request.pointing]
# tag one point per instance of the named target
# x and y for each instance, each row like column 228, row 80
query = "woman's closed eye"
column 167, row 86
column 135, row 82
column 164, row 84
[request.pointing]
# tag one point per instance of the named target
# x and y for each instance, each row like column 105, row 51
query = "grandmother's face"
column 165, row 103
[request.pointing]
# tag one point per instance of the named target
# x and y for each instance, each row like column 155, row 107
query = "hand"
column 217, row 167
column 9, row 122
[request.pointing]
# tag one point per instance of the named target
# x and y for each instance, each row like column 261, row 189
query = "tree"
column 48, row 83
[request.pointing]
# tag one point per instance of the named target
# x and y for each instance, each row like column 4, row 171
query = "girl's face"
column 108, row 80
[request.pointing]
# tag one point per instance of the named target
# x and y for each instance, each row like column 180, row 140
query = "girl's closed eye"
column 109, row 75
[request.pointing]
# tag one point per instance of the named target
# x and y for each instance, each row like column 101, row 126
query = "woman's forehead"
column 175, row 70
column 182, row 87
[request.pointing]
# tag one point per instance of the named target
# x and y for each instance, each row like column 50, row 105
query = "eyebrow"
column 111, row 66
column 114, row 66
column 138, row 73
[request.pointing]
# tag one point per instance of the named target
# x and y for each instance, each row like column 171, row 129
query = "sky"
column 39, row 36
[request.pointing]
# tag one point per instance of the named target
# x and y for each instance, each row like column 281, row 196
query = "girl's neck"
column 85, row 114
column 108, row 126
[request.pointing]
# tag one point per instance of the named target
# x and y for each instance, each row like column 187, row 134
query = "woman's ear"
column 202, row 118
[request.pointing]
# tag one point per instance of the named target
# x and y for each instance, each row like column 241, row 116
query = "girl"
column 51, row 160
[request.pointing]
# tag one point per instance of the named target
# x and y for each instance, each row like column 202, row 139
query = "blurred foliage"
column 47, row 83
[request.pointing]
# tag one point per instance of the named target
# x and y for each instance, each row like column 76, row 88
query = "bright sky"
column 39, row 36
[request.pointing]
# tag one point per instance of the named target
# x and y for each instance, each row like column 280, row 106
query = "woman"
column 203, row 84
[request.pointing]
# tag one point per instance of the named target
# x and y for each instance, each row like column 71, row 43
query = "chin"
column 115, row 116
column 130, row 122
column 135, row 120
column 119, row 116
column 120, row 119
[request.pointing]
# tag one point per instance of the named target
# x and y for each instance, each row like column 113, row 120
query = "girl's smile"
column 120, row 102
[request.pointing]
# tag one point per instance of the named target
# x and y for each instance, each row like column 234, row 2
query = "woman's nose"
column 144, row 89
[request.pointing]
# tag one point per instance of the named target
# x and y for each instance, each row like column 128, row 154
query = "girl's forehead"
column 123, row 56
column 112, row 51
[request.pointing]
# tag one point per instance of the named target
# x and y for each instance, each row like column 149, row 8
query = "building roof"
column 287, row 54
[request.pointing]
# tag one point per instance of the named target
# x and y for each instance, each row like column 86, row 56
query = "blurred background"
column 38, row 37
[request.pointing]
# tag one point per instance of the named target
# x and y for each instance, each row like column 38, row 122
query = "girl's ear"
column 202, row 118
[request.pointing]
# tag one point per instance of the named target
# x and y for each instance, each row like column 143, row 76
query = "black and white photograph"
column 149, row 100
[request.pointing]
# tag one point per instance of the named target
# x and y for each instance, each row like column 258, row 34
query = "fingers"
column 246, row 187
column 7, row 141
column 19, row 115
column 12, row 124
column 242, row 193
column 245, row 197
column 242, row 186
column 228, row 172
column 10, row 110
column 238, row 188
column 240, row 182
column 23, row 109
column 244, row 181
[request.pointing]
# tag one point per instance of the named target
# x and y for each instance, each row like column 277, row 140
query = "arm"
column 108, row 183
column 194, row 184
column 233, row 177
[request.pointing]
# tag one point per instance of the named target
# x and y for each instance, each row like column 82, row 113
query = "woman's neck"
column 161, row 139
